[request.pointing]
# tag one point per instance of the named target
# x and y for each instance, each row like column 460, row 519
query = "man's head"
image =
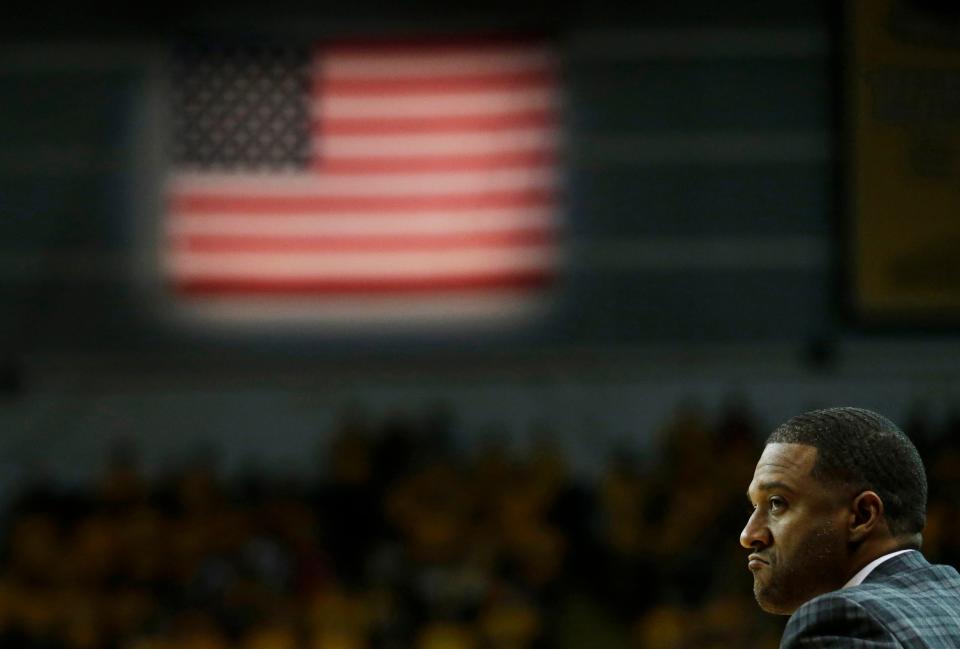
column 833, row 490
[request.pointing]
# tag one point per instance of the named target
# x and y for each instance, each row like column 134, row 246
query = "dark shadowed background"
column 730, row 261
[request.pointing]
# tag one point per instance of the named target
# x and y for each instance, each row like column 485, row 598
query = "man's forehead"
column 784, row 462
column 791, row 457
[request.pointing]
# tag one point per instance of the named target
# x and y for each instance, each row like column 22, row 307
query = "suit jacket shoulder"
column 906, row 603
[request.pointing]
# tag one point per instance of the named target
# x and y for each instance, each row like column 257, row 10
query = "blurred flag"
column 364, row 183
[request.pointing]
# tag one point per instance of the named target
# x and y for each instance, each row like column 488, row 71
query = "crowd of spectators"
column 405, row 542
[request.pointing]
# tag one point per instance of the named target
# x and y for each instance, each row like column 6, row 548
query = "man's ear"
column 867, row 514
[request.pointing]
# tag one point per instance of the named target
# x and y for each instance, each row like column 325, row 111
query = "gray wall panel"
column 59, row 211
column 746, row 306
column 620, row 200
column 715, row 94
column 63, row 107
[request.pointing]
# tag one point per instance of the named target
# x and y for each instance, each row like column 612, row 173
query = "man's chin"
column 769, row 603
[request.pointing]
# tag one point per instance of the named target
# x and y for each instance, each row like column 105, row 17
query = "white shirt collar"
column 858, row 578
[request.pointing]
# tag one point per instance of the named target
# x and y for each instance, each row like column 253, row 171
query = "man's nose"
column 755, row 533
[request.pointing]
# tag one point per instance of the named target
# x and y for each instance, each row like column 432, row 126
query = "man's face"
column 797, row 531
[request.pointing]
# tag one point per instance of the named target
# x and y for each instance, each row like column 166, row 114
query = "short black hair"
column 864, row 450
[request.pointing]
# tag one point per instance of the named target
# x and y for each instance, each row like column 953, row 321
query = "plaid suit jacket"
column 905, row 603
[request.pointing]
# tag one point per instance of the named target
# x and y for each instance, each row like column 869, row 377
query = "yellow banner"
column 904, row 85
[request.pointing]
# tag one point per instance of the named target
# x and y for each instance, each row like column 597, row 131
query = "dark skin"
column 808, row 537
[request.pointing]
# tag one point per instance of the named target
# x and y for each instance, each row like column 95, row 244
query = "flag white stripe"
column 417, row 65
column 487, row 102
column 360, row 265
column 310, row 225
column 404, row 146
column 323, row 184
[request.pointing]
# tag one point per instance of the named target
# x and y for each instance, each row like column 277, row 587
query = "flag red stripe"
column 435, row 163
column 370, row 287
column 227, row 243
column 201, row 203
column 431, row 85
column 444, row 124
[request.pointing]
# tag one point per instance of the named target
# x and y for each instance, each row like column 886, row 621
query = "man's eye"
column 777, row 503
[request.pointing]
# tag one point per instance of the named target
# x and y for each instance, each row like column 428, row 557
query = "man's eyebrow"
column 773, row 485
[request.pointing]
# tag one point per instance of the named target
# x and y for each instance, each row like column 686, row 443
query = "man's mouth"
column 756, row 562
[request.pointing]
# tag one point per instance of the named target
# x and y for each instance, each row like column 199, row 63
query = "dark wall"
column 702, row 169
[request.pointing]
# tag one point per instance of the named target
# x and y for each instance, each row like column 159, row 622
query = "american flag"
column 364, row 182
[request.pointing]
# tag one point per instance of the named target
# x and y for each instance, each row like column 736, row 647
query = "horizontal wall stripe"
column 689, row 253
column 699, row 43
column 703, row 148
